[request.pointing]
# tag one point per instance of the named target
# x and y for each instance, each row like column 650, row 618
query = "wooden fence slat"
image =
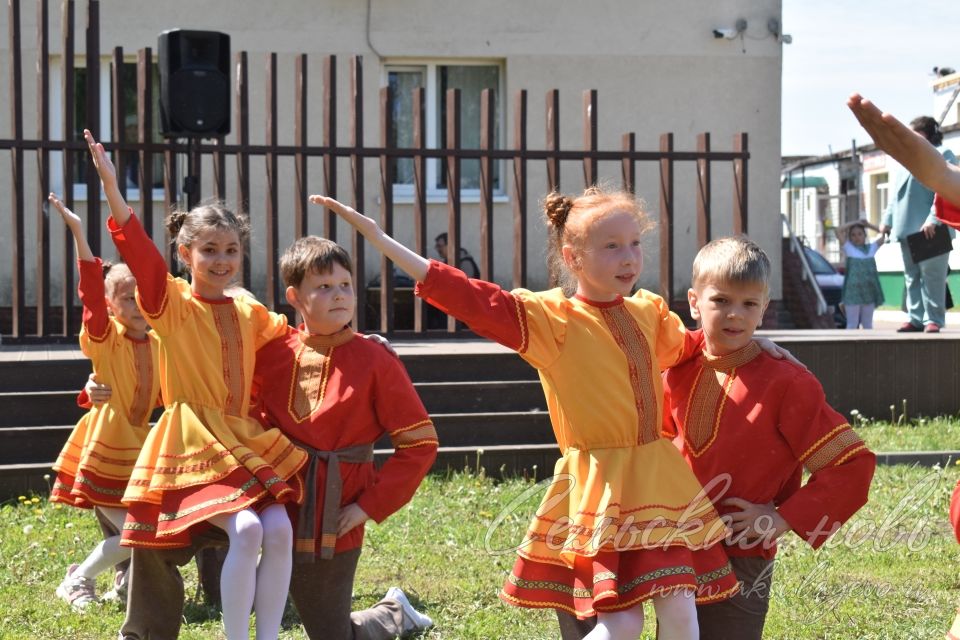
column 487, row 142
column 117, row 123
column 357, row 246
column 520, row 189
column 453, row 186
column 69, row 123
column 628, row 166
column 666, row 218
column 144, row 135
column 386, row 210
column 419, row 192
column 18, row 297
column 553, row 139
column 43, row 168
column 589, row 136
column 300, row 139
column 219, row 169
column 243, row 159
column 704, row 232
column 273, row 298
column 92, row 36
column 330, row 140
column 740, row 144
column 170, row 200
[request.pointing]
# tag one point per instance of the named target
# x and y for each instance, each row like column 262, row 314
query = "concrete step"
column 29, row 408
column 42, row 443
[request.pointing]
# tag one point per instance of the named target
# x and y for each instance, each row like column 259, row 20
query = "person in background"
column 862, row 292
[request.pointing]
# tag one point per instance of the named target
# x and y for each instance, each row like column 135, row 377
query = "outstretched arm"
column 75, row 224
column 415, row 265
column 910, row 149
column 108, row 178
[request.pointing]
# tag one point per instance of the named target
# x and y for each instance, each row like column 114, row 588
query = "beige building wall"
column 656, row 65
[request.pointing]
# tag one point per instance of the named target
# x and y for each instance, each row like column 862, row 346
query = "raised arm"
column 108, row 178
column 75, row 225
column 413, row 264
column 909, row 148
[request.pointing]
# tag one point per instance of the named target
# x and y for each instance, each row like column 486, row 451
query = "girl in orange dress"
column 623, row 520
column 206, row 462
column 95, row 464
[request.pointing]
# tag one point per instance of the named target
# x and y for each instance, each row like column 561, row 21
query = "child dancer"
column 206, row 462
column 335, row 394
column 749, row 426
column 616, row 527
column 862, row 292
column 96, row 462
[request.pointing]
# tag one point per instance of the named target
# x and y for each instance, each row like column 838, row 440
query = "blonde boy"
column 748, row 425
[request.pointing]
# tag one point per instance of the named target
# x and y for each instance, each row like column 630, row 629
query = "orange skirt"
column 617, row 580
column 185, row 512
column 87, row 490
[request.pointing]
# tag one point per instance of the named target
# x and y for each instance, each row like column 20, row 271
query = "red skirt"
column 184, row 512
column 617, row 580
column 87, row 490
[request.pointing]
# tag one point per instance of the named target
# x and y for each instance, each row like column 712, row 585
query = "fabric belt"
column 305, row 546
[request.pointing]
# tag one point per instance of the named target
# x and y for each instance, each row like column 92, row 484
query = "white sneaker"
column 77, row 591
column 413, row 620
column 119, row 591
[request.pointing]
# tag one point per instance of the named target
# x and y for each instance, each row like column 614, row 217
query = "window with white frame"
column 471, row 77
column 81, row 121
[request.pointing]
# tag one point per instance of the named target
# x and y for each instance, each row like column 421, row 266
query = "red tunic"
column 758, row 422
column 333, row 392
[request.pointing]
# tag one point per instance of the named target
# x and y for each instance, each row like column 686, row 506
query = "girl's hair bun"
column 106, row 265
column 174, row 221
column 557, row 207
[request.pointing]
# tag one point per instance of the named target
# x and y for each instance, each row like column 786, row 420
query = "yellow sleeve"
column 543, row 325
column 267, row 324
column 173, row 308
column 671, row 342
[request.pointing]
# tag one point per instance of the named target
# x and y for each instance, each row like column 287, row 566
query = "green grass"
column 891, row 572
column 922, row 434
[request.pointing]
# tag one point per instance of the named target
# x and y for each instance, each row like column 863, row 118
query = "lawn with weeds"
column 890, row 573
column 916, row 434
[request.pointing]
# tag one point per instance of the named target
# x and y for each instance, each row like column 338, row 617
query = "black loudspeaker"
column 194, row 83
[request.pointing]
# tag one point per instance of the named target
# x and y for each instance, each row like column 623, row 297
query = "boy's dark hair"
column 736, row 259
column 928, row 128
column 311, row 253
column 443, row 236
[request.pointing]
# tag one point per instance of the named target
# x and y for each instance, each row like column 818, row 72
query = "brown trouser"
column 739, row 618
column 742, row 616
column 323, row 591
column 155, row 588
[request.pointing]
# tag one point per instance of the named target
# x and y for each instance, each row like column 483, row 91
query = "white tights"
column 676, row 620
column 107, row 553
column 859, row 314
column 243, row 583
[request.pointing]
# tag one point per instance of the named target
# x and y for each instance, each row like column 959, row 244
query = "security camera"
column 729, row 34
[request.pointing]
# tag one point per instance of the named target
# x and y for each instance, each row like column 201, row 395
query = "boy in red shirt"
column 749, row 425
column 335, row 394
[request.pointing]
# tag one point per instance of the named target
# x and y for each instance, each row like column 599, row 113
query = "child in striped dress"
column 96, row 462
column 206, row 462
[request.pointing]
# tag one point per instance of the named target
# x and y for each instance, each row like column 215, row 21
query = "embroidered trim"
column 231, row 356
column 832, row 450
column 426, row 432
column 411, row 427
column 816, row 445
column 318, row 342
column 851, row 453
column 708, row 396
column 733, row 360
column 308, row 382
column 419, row 443
column 143, row 395
column 633, row 343
column 522, row 321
